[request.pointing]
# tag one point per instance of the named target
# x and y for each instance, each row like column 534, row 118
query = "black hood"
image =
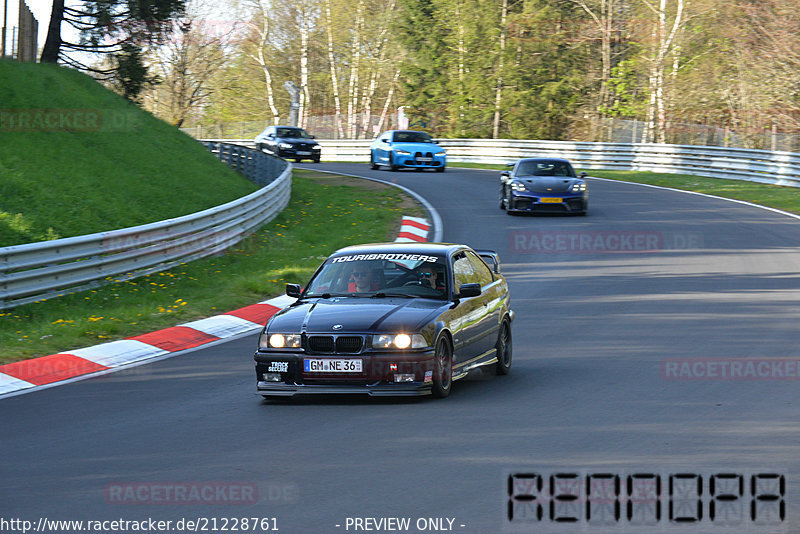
column 297, row 141
column 356, row 315
column 548, row 184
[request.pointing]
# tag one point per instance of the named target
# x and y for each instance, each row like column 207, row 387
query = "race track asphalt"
column 626, row 322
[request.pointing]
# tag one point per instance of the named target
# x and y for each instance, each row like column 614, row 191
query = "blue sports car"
column 543, row 185
column 406, row 148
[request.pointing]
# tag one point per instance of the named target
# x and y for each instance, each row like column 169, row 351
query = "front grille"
column 339, row 344
column 320, row 343
column 348, row 344
column 418, row 155
column 550, row 208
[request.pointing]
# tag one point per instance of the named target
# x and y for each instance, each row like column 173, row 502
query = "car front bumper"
column 379, row 375
column 551, row 203
column 419, row 161
column 302, row 153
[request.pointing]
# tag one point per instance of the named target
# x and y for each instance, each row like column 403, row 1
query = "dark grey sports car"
column 549, row 185
column 389, row 319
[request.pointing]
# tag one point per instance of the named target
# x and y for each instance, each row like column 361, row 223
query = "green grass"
column 775, row 196
column 99, row 163
column 324, row 214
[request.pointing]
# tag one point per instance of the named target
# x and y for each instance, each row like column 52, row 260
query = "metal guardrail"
column 778, row 168
column 37, row 271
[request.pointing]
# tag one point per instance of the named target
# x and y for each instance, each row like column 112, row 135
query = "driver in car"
column 363, row 279
column 431, row 277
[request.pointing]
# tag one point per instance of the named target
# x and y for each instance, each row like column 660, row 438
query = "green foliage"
column 423, row 85
column 629, row 98
column 131, row 73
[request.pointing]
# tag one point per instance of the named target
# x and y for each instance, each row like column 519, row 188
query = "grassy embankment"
column 135, row 169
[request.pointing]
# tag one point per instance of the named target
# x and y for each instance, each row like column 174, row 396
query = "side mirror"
column 312, row 136
column 505, row 176
column 270, row 135
column 469, row 290
column 583, row 174
column 293, row 290
column 385, row 141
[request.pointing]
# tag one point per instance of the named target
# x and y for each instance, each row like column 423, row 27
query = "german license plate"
column 424, row 160
column 303, row 153
column 331, row 365
column 551, row 200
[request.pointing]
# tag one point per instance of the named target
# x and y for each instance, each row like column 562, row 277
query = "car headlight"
column 279, row 341
column 442, row 153
column 285, row 145
column 403, row 152
column 399, row 341
column 578, row 187
column 518, row 186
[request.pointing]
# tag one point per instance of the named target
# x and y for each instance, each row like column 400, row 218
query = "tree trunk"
column 52, row 46
column 305, row 97
column 499, row 90
column 339, row 132
column 355, row 58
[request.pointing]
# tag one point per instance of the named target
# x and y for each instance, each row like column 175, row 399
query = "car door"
column 470, row 315
column 383, row 147
column 491, row 297
column 269, row 140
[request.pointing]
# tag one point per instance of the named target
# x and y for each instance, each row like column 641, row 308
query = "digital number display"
column 646, row 499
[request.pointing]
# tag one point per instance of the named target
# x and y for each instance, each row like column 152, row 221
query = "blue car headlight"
column 517, row 186
column 403, row 152
column 442, row 153
column 578, row 187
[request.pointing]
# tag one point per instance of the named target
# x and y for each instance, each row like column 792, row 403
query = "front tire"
column 507, row 203
column 372, row 165
column 502, row 200
column 503, row 347
column 440, row 169
column 442, row 369
column 392, row 166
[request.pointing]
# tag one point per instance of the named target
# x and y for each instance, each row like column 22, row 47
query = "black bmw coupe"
column 389, row 319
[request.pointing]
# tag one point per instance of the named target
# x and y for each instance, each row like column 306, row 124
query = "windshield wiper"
column 381, row 295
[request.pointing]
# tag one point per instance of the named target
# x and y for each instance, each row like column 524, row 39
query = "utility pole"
column 5, row 18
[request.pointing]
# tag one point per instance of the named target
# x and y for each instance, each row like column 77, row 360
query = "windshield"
column 412, row 137
column 293, row 132
column 381, row 275
column 545, row 168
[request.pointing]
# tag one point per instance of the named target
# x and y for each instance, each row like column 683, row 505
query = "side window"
column 463, row 272
column 482, row 272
